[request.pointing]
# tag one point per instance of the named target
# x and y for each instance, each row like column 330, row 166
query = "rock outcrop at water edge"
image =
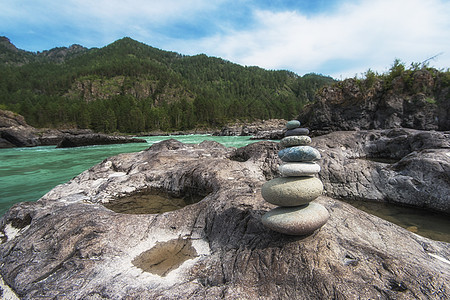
column 15, row 132
column 419, row 102
column 69, row 245
column 95, row 139
column 404, row 166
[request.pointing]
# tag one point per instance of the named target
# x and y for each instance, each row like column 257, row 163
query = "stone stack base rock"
column 298, row 186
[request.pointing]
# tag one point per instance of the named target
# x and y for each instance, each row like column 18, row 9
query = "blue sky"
column 332, row 37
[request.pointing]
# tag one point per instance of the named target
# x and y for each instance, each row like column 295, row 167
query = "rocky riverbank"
column 68, row 244
column 15, row 132
column 70, row 141
column 265, row 129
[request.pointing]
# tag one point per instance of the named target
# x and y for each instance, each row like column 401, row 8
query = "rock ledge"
column 68, row 245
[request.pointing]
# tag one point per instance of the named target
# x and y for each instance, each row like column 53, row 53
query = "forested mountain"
column 128, row 86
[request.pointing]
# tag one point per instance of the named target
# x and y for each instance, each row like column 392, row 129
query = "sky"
column 340, row 38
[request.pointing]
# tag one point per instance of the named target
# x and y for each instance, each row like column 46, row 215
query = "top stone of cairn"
column 293, row 124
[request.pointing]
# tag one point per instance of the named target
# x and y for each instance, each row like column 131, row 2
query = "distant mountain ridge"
column 6, row 43
column 10, row 54
column 129, row 86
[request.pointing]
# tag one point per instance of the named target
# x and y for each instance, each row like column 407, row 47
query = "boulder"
column 15, row 132
column 50, row 137
column 69, row 245
column 403, row 166
column 70, row 141
column 20, row 136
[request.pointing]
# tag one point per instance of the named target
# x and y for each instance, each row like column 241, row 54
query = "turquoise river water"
column 26, row 174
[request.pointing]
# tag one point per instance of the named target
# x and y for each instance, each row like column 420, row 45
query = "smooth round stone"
column 291, row 191
column 299, row 153
column 295, row 140
column 300, row 220
column 293, row 124
column 297, row 131
column 299, row 169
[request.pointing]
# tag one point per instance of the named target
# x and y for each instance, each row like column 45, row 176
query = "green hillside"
column 128, row 86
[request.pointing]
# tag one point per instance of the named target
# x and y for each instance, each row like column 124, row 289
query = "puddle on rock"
column 429, row 224
column 165, row 256
column 151, row 202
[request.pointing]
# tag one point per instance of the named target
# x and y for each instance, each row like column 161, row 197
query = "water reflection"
column 429, row 224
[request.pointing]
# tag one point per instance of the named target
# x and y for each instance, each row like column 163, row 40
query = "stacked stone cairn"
column 298, row 186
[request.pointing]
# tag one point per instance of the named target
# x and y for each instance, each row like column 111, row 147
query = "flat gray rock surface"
column 68, row 245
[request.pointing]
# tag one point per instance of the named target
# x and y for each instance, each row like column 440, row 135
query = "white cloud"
column 346, row 39
column 354, row 38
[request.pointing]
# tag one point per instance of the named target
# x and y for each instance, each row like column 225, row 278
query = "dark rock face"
column 20, row 136
column 404, row 166
column 68, row 245
column 351, row 106
column 15, row 132
column 95, row 139
column 5, row 144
